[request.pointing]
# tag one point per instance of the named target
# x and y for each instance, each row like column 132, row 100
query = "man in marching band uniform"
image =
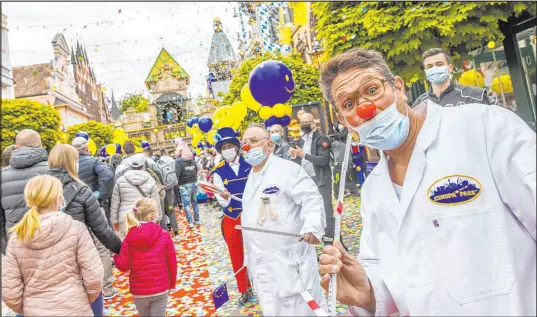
column 280, row 196
column 231, row 173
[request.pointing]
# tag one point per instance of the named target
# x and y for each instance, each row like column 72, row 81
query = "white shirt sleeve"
column 305, row 194
column 217, row 180
column 385, row 305
column 512, row 159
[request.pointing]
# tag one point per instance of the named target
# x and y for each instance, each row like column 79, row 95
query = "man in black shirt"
column 444, row 91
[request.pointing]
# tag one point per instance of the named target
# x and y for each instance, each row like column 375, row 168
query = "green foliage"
column 402, row 31
column 99, row 132
column 306, row 80
column 136, row 101
column 20, row 114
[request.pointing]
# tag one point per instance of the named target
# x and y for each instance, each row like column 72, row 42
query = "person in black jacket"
column 313, row 153
column 187, row 177
column 82, row 205
column 95, row 173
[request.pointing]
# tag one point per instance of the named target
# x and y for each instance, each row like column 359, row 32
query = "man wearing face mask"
column 448, row 213
column 444, row 91
column 279, row 195
column 281, row 147
column 231, row 173
column 313, row 153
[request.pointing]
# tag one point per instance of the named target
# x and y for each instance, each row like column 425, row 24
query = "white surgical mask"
column 229, row 155
column 437, row 75
column 386, row 131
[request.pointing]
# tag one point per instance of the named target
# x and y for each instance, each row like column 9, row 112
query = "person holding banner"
column 231, row 174
column 449, row 211
column 280, row 196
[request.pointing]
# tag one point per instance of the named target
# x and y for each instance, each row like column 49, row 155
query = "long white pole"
column 332, row 288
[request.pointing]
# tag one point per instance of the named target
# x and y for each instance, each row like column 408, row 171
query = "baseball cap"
column 80, row 143
column 138, row 160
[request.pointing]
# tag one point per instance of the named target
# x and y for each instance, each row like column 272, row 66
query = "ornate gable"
column 166, row 68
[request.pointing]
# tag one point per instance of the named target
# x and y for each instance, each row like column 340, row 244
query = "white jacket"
column 462, row 239
column 281, row 266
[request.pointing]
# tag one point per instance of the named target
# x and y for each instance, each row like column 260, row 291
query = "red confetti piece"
column 339, row 207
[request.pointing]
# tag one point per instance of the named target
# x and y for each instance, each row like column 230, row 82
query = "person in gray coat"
column 27, row 161
column 281, row 147
column 133, row 184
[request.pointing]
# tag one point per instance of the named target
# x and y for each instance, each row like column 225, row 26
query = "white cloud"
column 185, row 29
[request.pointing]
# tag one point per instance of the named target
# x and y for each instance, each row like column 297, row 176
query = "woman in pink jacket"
column 52, row 265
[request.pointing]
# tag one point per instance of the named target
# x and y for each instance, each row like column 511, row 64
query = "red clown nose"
column 246, row 147
column 366, row 110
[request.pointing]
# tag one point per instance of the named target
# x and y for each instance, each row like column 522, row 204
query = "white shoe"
column 198, row 222
column 191, row 225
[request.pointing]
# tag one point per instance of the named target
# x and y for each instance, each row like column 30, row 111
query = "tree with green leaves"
column 20, row 114
column 99, row 132
column 136, row 101
column 402, row 31
column 306, row 79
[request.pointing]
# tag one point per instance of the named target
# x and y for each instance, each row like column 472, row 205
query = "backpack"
column 161, row 189
column 167, row 166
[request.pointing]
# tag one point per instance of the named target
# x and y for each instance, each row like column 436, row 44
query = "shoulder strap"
column 69, row 199
column 140, row 190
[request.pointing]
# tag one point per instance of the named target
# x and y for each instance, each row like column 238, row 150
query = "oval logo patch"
column 454, row 190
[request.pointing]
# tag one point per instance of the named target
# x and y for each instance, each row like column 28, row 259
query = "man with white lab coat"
column 279, row 195
column 449, row 221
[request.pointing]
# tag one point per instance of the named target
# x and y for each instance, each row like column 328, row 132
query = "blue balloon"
column 284, row 121
column 118, row 148
column 189, row 123
column 83, row 134
column 271, row 82
column 194, row 120
column 145, row 144
column 102, row 152
column 205, row 123
column 272, row 121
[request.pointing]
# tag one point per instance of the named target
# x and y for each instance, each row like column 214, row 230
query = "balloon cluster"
column 202, row 131
column 92, row 147
column 271, row 84
column 110, row 149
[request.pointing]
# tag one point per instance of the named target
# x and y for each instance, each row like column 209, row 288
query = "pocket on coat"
column 471, row 254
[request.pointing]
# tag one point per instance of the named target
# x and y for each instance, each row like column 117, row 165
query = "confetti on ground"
column 203, row 263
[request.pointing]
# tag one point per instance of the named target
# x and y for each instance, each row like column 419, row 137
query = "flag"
column 220, row 296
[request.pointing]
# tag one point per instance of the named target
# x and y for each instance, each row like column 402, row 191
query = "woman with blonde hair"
column 83, row 206
column 148, row 253
column 50, row 256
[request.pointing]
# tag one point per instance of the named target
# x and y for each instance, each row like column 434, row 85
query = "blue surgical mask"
column 437, row 75
column 386, row 131
column 62, row 207
column 255, row 156
column 276, row 137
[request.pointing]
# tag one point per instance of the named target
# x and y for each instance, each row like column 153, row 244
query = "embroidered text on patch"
column 454, row 190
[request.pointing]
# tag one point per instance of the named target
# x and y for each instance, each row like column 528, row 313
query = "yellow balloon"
column 196, row 138
column 210, row 136
column 472, row 78
column 248, row 99
column 225, row 115
column 240, row 109
column 288, row 110
column 279, row 110
column 189, row 130
column 92, row 147
column 491, row 45
column 237, row 124
column 195, row 127
column 110, row 149
column 198, row 151
column 265, row 112
column 505, row 82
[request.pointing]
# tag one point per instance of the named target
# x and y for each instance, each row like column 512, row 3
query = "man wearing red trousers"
column 231, row 173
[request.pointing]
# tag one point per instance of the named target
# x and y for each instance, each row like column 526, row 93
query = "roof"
column 170, row 97
column 221, row 49
column 115, row 111
column 31, row 80
column 164, row 58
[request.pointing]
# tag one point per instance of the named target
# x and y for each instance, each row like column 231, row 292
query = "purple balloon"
column 205, row 124
column 271, row 82
column 285, row 120
column 145, row 144
column 118, row 148
column 272, row 121
column 103, row 152
column 194, row 120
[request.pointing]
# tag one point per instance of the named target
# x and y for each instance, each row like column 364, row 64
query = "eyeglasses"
column 371, row 91
column 252, row 141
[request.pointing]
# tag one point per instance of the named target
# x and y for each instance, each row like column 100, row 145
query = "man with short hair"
column 28, row 160
column 444, row 91
column 130, row 149
column 99, row 177
column 279, row 195
column 448, row 213
column 313, row 153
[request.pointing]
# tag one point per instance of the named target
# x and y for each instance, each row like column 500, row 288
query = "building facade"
column 8, row 90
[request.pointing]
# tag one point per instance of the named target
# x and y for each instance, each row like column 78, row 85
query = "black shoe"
column 246, row 298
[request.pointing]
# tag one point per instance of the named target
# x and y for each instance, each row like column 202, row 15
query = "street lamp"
column 315, row 55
